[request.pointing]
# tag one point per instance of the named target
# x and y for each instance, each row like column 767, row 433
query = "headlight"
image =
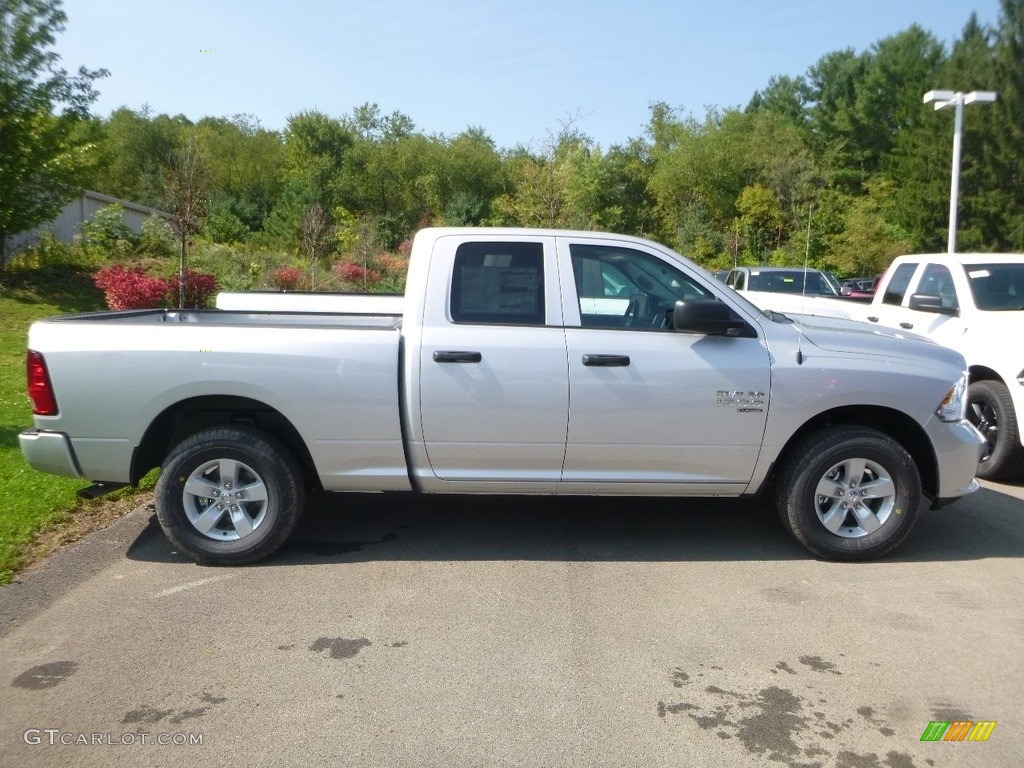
column 954, row 405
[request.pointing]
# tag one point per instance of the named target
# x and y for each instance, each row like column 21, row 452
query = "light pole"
column 957, row 99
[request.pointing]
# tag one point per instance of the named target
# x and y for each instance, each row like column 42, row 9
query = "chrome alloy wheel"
column 225, row 499
column 854, row 498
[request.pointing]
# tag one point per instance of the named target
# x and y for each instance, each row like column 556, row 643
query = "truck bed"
column 332, row 377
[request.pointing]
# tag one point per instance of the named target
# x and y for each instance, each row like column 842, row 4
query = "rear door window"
column 498, row 283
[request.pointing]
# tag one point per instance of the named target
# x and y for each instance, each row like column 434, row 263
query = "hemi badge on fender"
column 744, row 402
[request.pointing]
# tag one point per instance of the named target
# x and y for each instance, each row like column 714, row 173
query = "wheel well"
column 897, row 425
column 981, row 373
column 183, row 419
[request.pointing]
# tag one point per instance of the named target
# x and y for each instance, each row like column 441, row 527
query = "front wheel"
column 990, row 409
column 848, row 493
column 229, row 496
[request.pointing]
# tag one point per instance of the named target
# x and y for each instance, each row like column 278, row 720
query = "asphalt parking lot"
column 404, row 631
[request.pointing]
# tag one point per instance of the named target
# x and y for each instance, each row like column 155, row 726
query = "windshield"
column 997, row 287
column 789, row 281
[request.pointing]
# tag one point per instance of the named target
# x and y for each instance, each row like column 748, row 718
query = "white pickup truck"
column 973, row 303
column 519, row 361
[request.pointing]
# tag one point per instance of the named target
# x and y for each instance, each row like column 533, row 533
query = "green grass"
column 31, row 501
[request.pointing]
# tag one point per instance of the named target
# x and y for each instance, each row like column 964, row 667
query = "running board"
column 100, row 489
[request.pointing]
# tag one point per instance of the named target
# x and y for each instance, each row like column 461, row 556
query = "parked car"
column 810, row 282
column 793, row 290
column 859, row 290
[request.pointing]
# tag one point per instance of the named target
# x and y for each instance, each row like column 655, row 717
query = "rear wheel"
column 848, row 493
column 990, row 409
column 229, row 496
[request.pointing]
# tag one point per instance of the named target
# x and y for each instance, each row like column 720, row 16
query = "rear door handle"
column 873, row 319
column 606, row 360
column 906, row 325
column 457, row 357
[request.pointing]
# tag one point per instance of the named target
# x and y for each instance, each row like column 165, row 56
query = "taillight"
column 44, row 402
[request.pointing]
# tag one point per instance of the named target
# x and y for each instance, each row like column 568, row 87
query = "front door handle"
column 606, row 360
column 873, row 319
column 457, row 357
column 906, row 325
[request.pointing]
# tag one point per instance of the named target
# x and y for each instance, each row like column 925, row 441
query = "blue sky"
column 518, row 69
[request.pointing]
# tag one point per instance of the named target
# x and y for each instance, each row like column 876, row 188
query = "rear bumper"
column 49, row 452
column 958, row 449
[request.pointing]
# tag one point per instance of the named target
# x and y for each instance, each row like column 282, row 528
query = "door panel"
column 494, row 395
column 684, row 409
column 681, row 411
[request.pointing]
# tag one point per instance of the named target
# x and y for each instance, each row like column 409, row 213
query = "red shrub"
column 129, row 288
column 286, row 278
column 353, row 273
column 392, row 264
column 133, row 289
column 199, row 287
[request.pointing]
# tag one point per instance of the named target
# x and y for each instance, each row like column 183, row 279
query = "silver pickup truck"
column 518, row 362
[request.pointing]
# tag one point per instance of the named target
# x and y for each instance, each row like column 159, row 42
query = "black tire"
column 990, row 409
column 242, row 529
column 862, row 468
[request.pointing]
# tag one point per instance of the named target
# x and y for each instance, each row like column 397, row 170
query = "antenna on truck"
column 803, row 292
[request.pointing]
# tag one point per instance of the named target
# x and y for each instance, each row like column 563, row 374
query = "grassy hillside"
column 31, row 501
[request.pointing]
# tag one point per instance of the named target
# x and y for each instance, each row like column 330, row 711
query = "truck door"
column 494, row 390
column 650, row 405
column 891, row 311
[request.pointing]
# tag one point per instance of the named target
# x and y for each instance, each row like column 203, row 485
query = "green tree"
column 870, row 239
column 919, row 164
column 245, row 164
column 698, row 174
column 283, row 227
column 785, row 96
column 134, row 148
column 44, row 153
column 623, row 198
column 470, row 176
column 557, row 187
column 762, row 221
column 1007, row 150
column 316, row 147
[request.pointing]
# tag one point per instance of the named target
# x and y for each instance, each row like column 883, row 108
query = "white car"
column 791, row 290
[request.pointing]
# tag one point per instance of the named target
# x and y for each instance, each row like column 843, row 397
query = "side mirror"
column 707, row 316
column 929, row 302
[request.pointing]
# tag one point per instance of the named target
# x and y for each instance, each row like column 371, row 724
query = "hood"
column 855, row 337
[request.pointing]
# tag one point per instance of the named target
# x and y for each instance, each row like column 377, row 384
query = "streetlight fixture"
column 956, row 99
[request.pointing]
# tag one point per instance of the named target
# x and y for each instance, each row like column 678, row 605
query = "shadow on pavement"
column 340, row 528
